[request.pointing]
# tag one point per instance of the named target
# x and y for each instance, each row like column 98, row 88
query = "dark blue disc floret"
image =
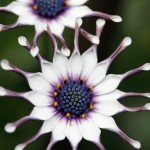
column 73, row 99
column 49, row 8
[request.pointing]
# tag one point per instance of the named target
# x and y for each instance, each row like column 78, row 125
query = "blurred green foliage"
column 136, row 23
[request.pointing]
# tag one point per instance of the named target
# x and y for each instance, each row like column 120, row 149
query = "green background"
column 136, row 24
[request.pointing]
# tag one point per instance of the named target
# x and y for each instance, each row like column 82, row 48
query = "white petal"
column 116, row 94
column 34, row 50
column 65, row 51
column 109, row 84
column 89, row 59
column 46, row 127
column 3, row 91
column 67, row 20
column 43, row 113
column 18, row 8
column 75, row 66
column 50, row 72
column 80, row 11
column 108, row 123
column 98, row 73
column 22, row 40
column 50, row 124
column 40, row 24
column 20, row 147
column 55, row 27
column 59, row 132
column 73, row 133
column 104, row 122
column 25, row 1
column 109, row 108
column 27, row 18
column 89, row 130
column 38, row 83
column 38, row 99
column 61, row 63
column 75, row 3
column 10, row 128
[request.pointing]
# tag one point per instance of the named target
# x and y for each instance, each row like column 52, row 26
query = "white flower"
column 57, row 14
column 74, row 97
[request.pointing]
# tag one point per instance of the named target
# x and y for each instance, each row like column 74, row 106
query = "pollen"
column 35, row 7
column 67, row 2
column 91, row 106
column 83, row 116
column 55, row 104
column 58, row 86
column 91, row 88
column 55, row 94
column 68, row 114
column 82, row 79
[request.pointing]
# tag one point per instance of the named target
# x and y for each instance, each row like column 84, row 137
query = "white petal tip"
column 1, row 27
column 34, row 51
column 22, row 41
column 5, row 65
column 10, row 128
column 146, row 67
column 100, row 22
column 79, row 22
column 65, row 51
column 136, row 144
column 127, row 41
column 147, row 95
column 20, row 147
column 147, row 106
column 2, row 91
column 116, row 18
column 95, row 40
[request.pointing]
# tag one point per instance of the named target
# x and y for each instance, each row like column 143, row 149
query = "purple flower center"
column 74, row 99
column 49, row 8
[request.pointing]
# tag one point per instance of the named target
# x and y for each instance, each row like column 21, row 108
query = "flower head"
column 74, row 96
column 56, row 13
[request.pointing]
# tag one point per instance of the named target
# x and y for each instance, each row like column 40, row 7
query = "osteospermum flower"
column 74, row 97
column 56, row 13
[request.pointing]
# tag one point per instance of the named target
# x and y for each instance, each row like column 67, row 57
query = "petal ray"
column 108, row 123
column 73, row 134
column 115, row 80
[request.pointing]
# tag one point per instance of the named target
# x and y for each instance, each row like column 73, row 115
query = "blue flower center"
column 74, row 99
column 49, row 8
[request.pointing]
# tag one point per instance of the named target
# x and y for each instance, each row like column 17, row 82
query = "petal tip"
column 2, row 91
column 5, row 64
column 147, row 106
column 136, row 144
column 22, row 40
column 1, row 27
column 127, row 41
column 147, row 95
column 116, row 18
column 20, row 147
column 100, row 22
column 79, row 22
column 65, row 51
column 34, row 51
column 146, row 67
column 10, row 128
column 95, row 40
